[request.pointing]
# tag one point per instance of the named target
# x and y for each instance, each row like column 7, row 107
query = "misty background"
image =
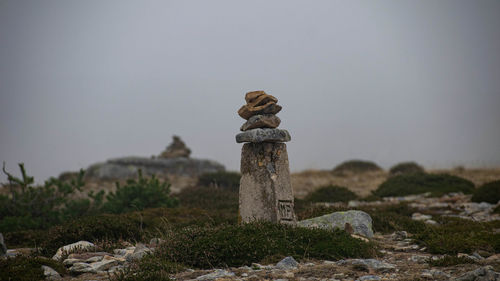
column 387, row 81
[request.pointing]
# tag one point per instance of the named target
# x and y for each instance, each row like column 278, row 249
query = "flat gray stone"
column 360, row 222
column 261, row 121
column 263, row 135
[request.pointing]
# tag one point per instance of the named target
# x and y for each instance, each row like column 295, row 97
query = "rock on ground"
column 287, row 263
column 50, row 273
column 80, row 245
column 359, row 221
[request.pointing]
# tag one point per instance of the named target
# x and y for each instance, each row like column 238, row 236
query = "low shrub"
column 24, row 268
column 454, row 235
column 92, row 228
column 139, row 194
column 149, row 268
column 331, row 193
column 238, row 245
column 450, row 260
column 209, row 198
column 406, row 168
column 226, row 180
column 356, row 166
column 437, row 185
column 489, row 192
column 39, row 207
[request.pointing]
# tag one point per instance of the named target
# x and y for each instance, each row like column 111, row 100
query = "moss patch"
column 238, row 245
column 437, row 185
column 25, row 268
column 356, row 166
column 406, row 168
column 331, row 193
column 489, row 192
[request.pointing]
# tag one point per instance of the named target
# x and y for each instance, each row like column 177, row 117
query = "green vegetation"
column 30, row 207
column 25, row 268
column 450, row 236
column 455, row 236
column 489, row 192
column 356, row 166
column 437, row 185
column 139, row 194
column 331, row 193
column 238, row 245
column 226, row 180
column 450, row 260
column 209, row 198
column 406, row 168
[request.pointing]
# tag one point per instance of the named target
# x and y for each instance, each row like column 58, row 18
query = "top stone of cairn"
column 258, row 102
column 261, row 125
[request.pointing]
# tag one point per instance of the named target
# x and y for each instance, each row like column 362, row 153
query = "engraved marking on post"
column 285, row 209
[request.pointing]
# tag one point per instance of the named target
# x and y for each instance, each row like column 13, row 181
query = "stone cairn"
column 265, row 188
column 176, row 149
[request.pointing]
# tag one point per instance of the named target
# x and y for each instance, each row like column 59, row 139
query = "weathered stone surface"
column 287, row 263
column 176, row 149
column 269, row 108
column 139, row 252
column 50, row 273
column 370, row 264
column 3, row 247
column 258, row 102
column 261, row 121
column 81, row 267
column 80, row 245
column 481, row 274
column 263, row 135
column 218, row 273
column 265, row 189
column 360, row 222
column 127, row 167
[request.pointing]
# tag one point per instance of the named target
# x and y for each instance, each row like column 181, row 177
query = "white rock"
column 218, row 273
column 80, row 245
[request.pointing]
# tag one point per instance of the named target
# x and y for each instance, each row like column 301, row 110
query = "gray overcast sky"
column 388, row 81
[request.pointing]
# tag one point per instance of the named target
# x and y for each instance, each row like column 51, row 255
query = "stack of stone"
column 265, row 188
column 260, row 113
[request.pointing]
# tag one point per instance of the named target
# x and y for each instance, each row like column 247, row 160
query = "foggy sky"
column 387, row 81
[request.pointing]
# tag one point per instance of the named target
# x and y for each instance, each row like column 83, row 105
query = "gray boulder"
column 287, row 263
column 127, row 167
column 3, row 247
column 357, row 221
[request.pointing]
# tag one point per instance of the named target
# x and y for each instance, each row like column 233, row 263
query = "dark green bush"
column 455, row 235
column 489, row 192
column 226, row 180
column 356, row 166
column 238, row 245
column 92, row 228
column 209, row 198
column 149, row 268
column 139, row 194
column 437, row 185
column 406, row 168
column 30, row 207
column 23, row 268
column 331, row 193
column 450, row 260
